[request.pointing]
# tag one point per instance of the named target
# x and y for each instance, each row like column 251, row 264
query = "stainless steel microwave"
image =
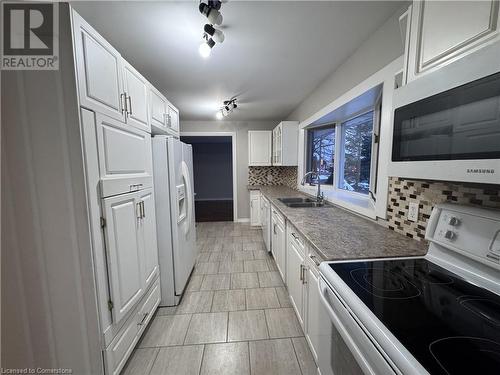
column 452, row 135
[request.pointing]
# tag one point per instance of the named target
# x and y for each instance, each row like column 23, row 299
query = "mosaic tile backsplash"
column 429, row 193
column 273, row 176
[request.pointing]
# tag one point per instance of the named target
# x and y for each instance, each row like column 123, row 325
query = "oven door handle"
column 324, row 290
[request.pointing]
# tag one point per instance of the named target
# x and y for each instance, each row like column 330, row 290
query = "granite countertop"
column 337, row 234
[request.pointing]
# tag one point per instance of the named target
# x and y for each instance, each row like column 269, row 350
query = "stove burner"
column 466, row 355
column 428, row 276
column 483, row 307
column 384, row 283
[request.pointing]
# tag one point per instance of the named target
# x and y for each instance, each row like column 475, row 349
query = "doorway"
column 214, row 182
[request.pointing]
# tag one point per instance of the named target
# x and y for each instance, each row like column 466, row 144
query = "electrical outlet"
column 413, row 211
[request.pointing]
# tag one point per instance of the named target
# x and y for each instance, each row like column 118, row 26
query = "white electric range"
column 437, row 314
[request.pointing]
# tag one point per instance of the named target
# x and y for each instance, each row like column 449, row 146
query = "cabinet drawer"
column 120, row 348
column 125, row 157
column 296, row 239
column 151, row 302
column 277, row 216
column 123, row 344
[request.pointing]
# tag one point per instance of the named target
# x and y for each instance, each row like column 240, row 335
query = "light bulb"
column 217, row 35
column 215, row 17
column 219, row 115
column 205, row 50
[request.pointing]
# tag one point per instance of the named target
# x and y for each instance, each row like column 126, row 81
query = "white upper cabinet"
column 173, row 119
column 136, row 97
column 147, row 236
column 285, row 143
column 259, row 147
column 443, row 31
column 125, row 159
column 99, row 69
column 122, row 214
column 158, row 111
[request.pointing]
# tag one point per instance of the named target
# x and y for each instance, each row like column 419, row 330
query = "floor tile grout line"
column 203, row 358
column 296, row 356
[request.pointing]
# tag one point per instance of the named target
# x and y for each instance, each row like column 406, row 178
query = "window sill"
column 357, row 203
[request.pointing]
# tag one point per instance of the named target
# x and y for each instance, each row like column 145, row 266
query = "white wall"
column 241, row 128
column 380, row 49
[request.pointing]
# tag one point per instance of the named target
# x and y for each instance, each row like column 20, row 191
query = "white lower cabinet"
column 123, row 253
column 147, row 240
column 132, row 252
column 295, row 275
column 124, row 342
column 255, row 208
column 315, row 315
column 278, row 241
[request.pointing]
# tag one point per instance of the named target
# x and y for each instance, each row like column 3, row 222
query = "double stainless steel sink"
column 303, row 202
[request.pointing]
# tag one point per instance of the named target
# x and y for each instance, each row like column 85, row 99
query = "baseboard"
column 242, row 220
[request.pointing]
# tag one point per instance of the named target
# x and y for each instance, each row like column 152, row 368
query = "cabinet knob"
column 449, row 235
column 454, row 221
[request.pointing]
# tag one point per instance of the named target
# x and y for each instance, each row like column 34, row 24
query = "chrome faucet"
column 319, row 195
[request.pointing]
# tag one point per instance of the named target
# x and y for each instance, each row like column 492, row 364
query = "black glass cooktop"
column 449, row 325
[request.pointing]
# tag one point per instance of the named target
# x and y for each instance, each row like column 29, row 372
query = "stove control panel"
column 471, row 231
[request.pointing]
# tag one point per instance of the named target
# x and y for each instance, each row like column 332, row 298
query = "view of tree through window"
column 322, row 151
column 357, row 150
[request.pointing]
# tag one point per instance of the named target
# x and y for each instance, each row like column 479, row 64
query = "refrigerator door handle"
column 189, row 197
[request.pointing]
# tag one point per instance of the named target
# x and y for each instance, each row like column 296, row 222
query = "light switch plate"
column 413, row 211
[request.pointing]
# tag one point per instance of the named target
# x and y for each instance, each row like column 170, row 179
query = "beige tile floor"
column 234, row 318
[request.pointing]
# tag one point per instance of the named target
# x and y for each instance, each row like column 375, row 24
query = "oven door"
column 344, row 347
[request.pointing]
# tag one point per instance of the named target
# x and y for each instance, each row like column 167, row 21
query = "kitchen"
column 365, row 159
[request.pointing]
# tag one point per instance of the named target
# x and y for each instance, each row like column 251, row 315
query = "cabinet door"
column 125, row 159
column 99, row 71
column 136, row 90
column 259, row 148
column 158, row 110
column 123, row 253
column 254, row 210
column 281, row 249
column 442, row 32
column 173, row 119
column 294, row 279
column 314, row 315
column 149, row 247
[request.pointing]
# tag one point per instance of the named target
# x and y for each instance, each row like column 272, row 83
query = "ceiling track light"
column 216, row 34
column 227, row 107
column 213, row 15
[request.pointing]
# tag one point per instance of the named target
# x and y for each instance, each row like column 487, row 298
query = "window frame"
column 309, row 150
column 339, row 153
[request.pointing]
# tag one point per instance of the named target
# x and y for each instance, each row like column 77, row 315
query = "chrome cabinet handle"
column 135, row 187
column 143, row 319
column 123, row 102
column 301, row 274
column 129, row 106
column 139, row 210
column 143, row 210
column 274, row 228
column 295, row 236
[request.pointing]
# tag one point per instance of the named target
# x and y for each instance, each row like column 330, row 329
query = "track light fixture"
column 211, row 35
column 227, row 107
column 216, row 34
column 211, row 11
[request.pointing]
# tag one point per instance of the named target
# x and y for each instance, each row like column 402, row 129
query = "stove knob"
column 454, row 221
column 449, row 235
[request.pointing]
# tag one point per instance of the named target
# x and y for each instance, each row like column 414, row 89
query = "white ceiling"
column 274, row 55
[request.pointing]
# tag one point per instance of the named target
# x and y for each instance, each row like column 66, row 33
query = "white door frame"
column 233, row 150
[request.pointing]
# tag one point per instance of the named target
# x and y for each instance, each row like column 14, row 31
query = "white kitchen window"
column 344, row 152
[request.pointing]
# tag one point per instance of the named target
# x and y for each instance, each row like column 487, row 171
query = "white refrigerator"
column 175, row 221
